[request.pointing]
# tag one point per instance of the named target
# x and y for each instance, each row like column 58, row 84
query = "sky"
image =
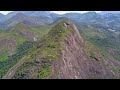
column 58, row 12
column 5, row 12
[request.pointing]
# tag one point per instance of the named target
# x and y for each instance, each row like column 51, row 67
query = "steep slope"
column 63, row 54
column 76, row 63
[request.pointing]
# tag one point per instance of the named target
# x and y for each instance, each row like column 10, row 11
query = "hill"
column 19, row 36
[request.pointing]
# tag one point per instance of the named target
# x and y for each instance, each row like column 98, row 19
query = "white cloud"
column 5, row 12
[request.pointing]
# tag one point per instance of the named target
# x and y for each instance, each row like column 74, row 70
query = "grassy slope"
column 15, row 34
column 39, row 30
column 10, row 35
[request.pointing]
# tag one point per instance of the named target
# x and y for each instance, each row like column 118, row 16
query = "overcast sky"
column 58, row 12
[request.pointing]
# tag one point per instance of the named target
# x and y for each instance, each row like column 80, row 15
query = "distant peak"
column 20, row 14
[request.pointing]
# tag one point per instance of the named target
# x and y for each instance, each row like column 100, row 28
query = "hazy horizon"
column 57, row 12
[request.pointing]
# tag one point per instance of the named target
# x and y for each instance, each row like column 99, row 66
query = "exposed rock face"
column 71, row 58
column 9, row 45
column 75, row 64
column 30, row 35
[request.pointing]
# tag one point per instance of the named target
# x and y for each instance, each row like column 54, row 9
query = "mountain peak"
column 49, row 51
column 19, row 15
column 62, row 27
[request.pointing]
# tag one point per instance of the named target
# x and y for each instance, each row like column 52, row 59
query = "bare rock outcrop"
column 75, row 64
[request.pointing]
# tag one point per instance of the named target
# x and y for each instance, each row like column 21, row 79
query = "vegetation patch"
column 3, row 57
column 12, row 60
column 44, row 71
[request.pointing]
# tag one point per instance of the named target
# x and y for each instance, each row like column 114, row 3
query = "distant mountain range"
column 29, row 13
column 106, row 12
column 30, row 18
column 37, row 18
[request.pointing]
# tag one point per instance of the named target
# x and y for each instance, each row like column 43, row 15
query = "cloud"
column 5, row 12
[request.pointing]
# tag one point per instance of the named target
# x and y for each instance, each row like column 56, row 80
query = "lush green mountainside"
column 15, row 36
column 10, row 41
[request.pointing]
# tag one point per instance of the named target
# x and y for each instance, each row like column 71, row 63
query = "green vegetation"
column 15, row 34
column 22, row 45
column 12, row 36
column 3, row 57
column 12, row 60
column 40, row 31
column 45, row 71
column 40, row 72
